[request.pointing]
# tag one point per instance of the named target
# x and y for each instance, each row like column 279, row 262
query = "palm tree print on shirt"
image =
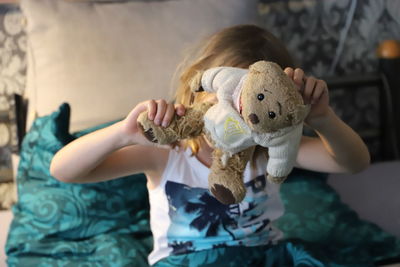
column 199, row 221
column 211, row 215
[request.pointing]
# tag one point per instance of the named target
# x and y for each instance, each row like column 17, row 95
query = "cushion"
column 104, row 58
column 315, row 216
column 56, row 223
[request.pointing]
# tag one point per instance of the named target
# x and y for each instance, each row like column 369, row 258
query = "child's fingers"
column 180, row 109
column 289, row 72
column 134, row 114
column 320, row 89
column 309, row 89
column 297, row 75
column 169, row 114
column 151, row 109
column 161, row 108
column 298, row 78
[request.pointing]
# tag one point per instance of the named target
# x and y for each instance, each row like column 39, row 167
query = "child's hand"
column 159, row 111
column 314, row 92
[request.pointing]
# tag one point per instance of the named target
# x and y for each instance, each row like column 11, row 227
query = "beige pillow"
column 104, row 58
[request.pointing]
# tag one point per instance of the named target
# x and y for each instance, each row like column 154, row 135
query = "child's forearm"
column 344, row 145
column 77, row 159
column 108, row 153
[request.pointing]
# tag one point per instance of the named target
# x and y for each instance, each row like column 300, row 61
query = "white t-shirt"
column 185, row 217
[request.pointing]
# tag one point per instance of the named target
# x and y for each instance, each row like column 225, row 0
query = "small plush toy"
column 256, row 106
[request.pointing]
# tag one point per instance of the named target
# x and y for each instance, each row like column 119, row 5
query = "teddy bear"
column 260, row 105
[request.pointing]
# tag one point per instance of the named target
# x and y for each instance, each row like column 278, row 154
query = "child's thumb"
column 131, row 119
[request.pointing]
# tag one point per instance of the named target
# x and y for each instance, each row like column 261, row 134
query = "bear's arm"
column 225, row 78
column 283, row 154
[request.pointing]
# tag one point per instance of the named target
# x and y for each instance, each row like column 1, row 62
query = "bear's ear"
column 298, row 114
column 264, row 67
column 195, row 82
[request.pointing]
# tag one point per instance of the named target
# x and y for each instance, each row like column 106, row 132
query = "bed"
column 106, row 223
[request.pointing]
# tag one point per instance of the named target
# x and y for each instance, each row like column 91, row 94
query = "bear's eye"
column 260, row 97
column 271, row 114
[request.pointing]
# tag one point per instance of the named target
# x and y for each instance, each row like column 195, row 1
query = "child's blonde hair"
column 237, row 46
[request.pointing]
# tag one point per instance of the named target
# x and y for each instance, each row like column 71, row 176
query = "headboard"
column 386, row 83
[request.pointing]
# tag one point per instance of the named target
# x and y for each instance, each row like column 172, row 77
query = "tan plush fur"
column 226, row 180
column 281, row 105
column 280, row 97
column 181, row 127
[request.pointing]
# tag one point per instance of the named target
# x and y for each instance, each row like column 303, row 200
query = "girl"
column 189, row 226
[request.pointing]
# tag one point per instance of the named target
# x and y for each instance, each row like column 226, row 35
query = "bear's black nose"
column 253, row 118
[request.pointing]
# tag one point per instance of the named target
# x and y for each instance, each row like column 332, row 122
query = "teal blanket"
column 107, row 224
column 59, row 224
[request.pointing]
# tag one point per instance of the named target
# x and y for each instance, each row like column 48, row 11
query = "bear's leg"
column 187, row 126
column 276, row 180
column 226, row 180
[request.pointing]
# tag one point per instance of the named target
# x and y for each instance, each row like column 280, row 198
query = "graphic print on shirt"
column 200, row 221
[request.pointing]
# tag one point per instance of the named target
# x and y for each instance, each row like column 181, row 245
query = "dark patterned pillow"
column 57, row 223
column 12, row 78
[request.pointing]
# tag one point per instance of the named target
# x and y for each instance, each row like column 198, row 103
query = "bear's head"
column 270, row 100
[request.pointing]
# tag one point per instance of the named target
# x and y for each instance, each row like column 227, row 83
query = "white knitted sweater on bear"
column 232, row 135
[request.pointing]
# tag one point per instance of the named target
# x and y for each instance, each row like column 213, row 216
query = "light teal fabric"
column 107, row 224
column 58, row 224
